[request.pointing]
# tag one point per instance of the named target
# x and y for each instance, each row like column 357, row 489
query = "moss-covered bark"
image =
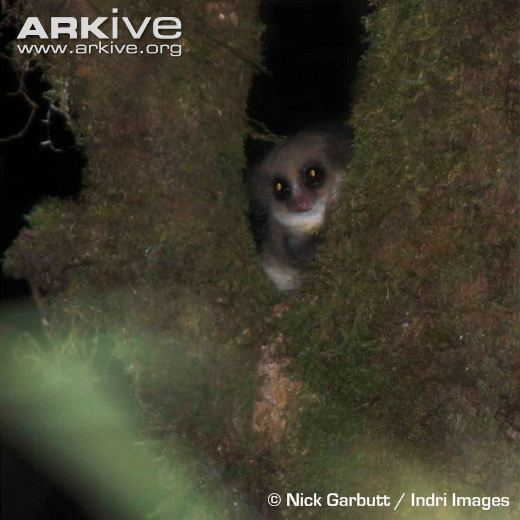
column 157, row 250
column 409, row 333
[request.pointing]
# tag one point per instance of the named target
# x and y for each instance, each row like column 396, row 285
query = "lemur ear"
column 339, row 145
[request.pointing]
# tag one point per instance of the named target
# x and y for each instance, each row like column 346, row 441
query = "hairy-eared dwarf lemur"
column 296, row 187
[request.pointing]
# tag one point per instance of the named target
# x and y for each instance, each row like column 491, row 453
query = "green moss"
column 158, row 245
column 398, row 322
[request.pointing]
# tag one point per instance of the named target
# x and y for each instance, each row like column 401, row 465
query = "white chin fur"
column 304, row 221
column 282, row 276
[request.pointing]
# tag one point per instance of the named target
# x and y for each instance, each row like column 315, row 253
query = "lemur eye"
column 313, row 176
column 282, row 189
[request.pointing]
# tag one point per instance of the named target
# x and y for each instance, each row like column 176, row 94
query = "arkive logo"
column 106, row 30
column 163, row 27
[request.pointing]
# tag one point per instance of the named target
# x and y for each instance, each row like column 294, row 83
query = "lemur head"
column 299, row 181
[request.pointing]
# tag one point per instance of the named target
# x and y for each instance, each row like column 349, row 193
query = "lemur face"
column 301, row 195
column 300, row 181
column 293, row 191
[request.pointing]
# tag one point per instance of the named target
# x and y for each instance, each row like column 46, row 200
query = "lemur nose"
column 303, row 202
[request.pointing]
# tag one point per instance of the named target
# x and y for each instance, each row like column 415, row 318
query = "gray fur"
column 290, row 235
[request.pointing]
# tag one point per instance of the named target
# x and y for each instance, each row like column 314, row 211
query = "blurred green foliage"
column 55, row 410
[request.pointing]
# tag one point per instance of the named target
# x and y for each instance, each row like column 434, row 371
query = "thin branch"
column 265, row 134
column 21, row 92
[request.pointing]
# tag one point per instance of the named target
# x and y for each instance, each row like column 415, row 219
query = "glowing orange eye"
column 314, row 176
column 281, row 189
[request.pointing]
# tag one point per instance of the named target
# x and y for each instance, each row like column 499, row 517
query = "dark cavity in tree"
column 311, row 52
